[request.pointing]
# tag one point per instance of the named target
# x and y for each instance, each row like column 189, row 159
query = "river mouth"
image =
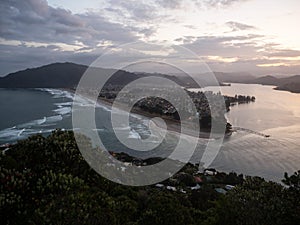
column 274, row 113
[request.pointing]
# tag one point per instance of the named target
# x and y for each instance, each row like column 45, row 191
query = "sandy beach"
column 173, row 125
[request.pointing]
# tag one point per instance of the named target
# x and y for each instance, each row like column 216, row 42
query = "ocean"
column 29, row 111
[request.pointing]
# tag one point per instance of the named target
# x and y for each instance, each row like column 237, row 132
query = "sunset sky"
column 256, row 36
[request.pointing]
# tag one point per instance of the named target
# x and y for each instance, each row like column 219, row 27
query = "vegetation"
column 47, row 181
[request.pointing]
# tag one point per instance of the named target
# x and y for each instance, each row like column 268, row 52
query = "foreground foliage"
column 47, row 181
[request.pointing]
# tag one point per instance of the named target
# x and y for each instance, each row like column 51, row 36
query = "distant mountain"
column 57, row 75
column 182, row 79
column 266, row 80
column 68, row 75
column 233, row 77
column 295, row 79
column 291, row 84
column 210, row 78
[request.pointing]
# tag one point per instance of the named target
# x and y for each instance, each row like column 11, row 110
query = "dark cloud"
column 36, row 21
column 235, row 26
column 14, row 58
column 135, row 10
column 32, row 22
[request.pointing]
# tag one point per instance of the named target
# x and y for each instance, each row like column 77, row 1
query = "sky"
column 255, row 36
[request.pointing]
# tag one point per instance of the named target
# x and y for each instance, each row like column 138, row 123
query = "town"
column 208, row 104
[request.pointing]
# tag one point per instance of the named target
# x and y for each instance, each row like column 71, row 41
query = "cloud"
column 170, row 4
column 221, row 3
column 243, row 53
column 15, row 58
column 176, row 4
column 36, row 21
column 224, row 46
column 134, row 10
column 235, row 26
column 32, row 33
column 283, row 53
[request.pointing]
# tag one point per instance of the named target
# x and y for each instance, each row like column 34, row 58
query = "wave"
column 53, row 119
column 63, row 104
column 99, row 129
column 44, row 124
column 106, row 108
column 63, row 111
column 122, row 128
column 134, row 135
column 41, row 121
column 9, row 132
column 63, row 108
column 57, row 93
column 80, row 100
column 20, row 133
column 30, row 124
column 15, row 134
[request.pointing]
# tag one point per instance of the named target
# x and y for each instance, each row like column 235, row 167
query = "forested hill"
column 45, row 180
column 291, row 83
column 58, row 75
column 68, row 75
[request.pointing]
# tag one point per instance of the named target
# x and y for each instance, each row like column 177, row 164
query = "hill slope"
column 266, row 80
column 58, row 75
column 291, row 84
column 54, row 75
column 68, row 75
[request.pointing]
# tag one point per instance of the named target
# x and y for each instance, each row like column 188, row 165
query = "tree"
column 292, row 181
column 256, row 202
column 164, row 209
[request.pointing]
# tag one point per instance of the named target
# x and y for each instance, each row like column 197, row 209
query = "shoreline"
column 172, row 125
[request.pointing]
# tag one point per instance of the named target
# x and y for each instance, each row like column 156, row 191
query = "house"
column 182, row 191
column 221, row 191
column 210, row 172
column 229, row 187
column 159, row 185
column 198, row 179
column 171, row 188
column 196, row 187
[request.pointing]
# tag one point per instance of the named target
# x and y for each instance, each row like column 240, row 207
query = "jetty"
column 250, row 131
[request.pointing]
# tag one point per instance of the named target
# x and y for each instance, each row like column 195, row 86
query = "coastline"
column 172, row 125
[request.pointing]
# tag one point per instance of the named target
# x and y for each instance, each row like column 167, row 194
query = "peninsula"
column 159, row 107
